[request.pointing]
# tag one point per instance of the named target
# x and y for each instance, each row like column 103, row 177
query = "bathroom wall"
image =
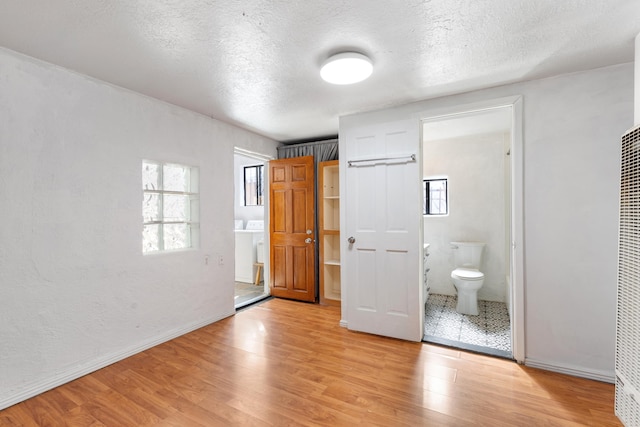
column 475, row 168
column 571, row 131
column 245, row 213
column 76, row 292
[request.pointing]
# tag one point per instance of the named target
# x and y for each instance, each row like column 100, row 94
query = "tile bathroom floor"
column 489, row 332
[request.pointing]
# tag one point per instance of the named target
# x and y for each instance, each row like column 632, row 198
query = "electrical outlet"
column 220, row 260
column 206, row 260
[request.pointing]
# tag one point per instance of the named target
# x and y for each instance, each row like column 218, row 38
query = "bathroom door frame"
column 516, row 257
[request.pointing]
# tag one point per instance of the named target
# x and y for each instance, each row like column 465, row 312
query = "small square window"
column 436, row 200
column 253, row 185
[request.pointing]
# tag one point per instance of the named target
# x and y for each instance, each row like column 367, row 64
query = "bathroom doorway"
column 469, row 175
column 251, row 261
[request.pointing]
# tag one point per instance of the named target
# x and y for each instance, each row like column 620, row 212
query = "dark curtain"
column 321, row 151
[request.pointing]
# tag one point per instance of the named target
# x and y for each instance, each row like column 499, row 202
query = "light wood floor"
column 288, row 363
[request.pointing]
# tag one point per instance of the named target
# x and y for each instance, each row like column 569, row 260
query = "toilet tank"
column 467, row 254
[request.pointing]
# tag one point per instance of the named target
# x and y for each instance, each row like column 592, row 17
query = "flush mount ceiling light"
column 346, row 68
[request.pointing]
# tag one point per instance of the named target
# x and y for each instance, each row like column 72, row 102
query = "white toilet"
column 467, row 277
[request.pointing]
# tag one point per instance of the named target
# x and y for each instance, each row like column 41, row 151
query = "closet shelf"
column 329, row 232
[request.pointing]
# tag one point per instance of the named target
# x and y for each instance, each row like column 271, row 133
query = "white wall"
column 572, row 128
column 245, row 213
column 475, row 168
column 76, row 293
column 636, row 109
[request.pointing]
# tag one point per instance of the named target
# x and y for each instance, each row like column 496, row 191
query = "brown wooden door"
column 292, row 233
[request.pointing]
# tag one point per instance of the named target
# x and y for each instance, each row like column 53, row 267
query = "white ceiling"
column 256, row 63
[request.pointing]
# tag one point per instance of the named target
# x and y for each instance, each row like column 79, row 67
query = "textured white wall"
column 76, row 292
column 572, row 176
column 475, row 168
column 636, row 117
column 572, row 128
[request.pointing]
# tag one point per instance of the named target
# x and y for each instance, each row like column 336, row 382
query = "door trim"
column 517, row 205
column 266, row 269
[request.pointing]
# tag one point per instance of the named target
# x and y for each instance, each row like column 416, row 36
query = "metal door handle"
column 351, row 240
column 308, row 240
column 309, row 231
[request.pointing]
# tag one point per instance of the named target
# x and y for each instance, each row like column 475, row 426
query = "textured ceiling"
column 256, row 63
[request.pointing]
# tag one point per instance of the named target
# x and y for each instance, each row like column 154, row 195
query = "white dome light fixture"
column 346, row 68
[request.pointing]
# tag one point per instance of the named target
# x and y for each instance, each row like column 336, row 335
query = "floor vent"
column 628, row 311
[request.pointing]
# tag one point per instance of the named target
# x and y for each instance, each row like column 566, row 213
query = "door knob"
column 351, row 240
column 309, row 232
column 308, row 240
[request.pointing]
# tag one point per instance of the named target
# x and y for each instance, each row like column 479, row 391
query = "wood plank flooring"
column 289, row 363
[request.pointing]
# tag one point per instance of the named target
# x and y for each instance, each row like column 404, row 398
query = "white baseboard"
column 37, row 387
column 344, row 323
column 576, row 371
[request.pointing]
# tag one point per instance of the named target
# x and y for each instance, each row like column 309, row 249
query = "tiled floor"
column 489, row 332
column 246, row 293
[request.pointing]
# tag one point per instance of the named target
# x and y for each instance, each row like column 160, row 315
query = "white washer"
column 246, row 250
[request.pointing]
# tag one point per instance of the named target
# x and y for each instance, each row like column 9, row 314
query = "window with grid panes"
column 253, row 185
column 435, row 197
column 170, row 207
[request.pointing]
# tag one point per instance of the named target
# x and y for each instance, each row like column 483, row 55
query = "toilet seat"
column 467, row 274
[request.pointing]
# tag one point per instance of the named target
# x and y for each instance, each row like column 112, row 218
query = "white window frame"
column 426, row 211
column 192, row 218
column 258, row 185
